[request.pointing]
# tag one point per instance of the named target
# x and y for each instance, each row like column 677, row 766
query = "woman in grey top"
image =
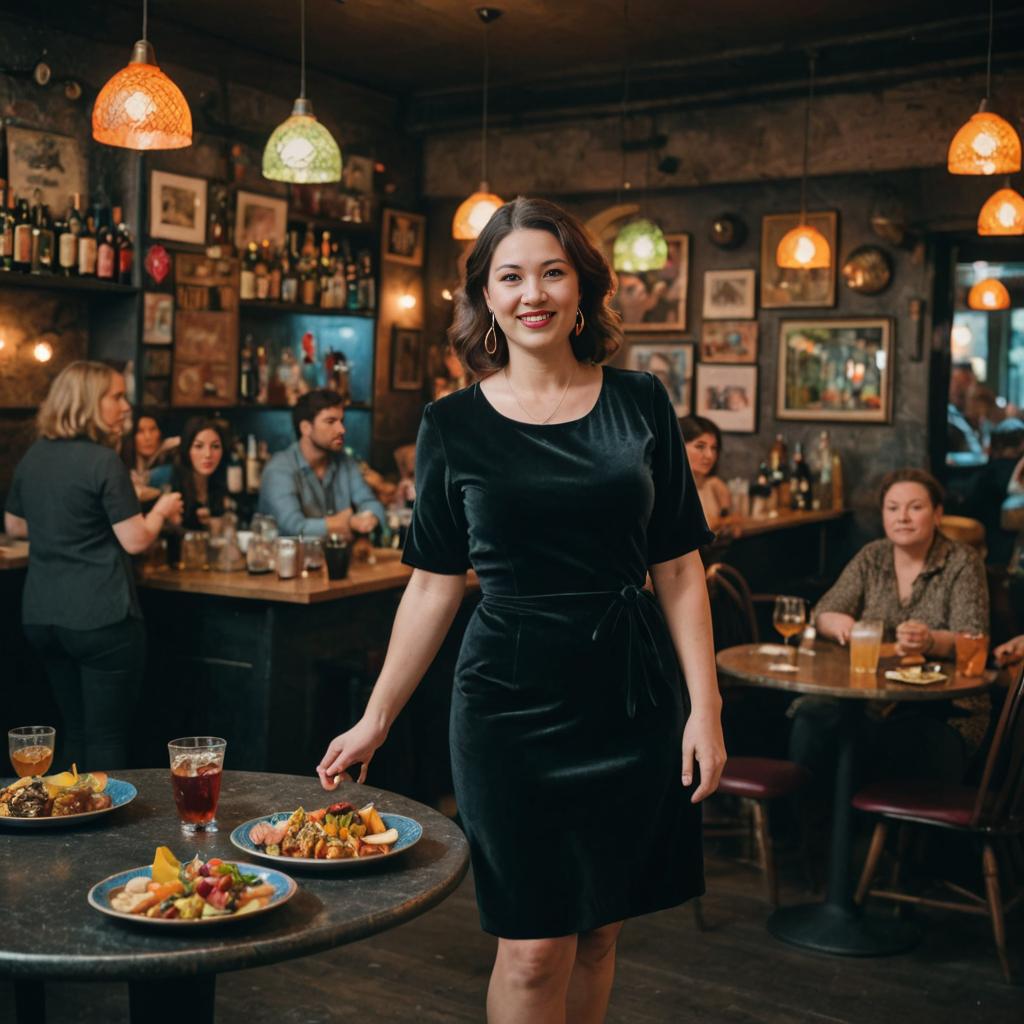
column 72, row 497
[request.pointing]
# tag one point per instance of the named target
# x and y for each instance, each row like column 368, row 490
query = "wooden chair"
column 965, row 530
column 992, row 814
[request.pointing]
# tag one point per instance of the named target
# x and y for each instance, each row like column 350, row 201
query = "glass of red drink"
column 197, row 765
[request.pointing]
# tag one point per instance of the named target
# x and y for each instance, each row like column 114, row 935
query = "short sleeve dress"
column 569, row 705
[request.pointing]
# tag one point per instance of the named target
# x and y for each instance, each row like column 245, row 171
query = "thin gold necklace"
column 550, row 415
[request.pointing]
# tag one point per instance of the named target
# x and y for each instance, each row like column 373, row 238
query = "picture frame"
column 156, row 362
column 729, row 341
column 407, row 359
column 836, row 371
column 730, row 294
column 158, row 318
column 728, row 396
column 655, row 300
column 53, row 163
column 402, row 236
column 784, row 289
column 177, row 207
column 259, row 217
column 672, row 364
column 357, row 174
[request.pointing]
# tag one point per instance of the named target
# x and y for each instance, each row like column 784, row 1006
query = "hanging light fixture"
column 474, row 212
column 805, row 247
column 640, row 245
column 301, row 150
column 140, row 107
column 987, row 143
column 988, row 295
column 1002, row 214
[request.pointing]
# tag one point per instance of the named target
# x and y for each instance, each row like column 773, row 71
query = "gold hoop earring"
column 580, row 321
column 493, row 346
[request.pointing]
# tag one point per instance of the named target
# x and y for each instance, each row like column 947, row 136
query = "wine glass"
column 788, row 617
column 31, row 749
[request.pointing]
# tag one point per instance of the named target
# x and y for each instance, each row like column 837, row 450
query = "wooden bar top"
column 747, row 526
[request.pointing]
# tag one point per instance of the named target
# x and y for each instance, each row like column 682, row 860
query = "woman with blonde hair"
column 72, row 497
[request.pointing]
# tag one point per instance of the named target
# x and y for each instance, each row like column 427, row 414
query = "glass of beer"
column 31, row 749
column 865, row 646
column 789, row 617
column 197, row 765
column 971, row 653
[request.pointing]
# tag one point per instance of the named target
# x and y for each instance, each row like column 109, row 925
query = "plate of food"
column 68, row 798
column 170, row 894
column 916, row 675
column 338, row 837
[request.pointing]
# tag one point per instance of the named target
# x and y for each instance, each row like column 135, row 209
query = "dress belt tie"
column 632, row 608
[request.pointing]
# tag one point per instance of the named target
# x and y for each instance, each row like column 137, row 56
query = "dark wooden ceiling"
column 549, row 56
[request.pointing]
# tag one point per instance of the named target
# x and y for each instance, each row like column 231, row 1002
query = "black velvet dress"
column 568, row 710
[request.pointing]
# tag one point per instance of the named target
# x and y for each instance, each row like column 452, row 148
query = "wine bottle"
column 42, row 237
column 23, row 237
column 247, row 281
column 67, row 240
column 252, row 466
column 6, row 228
column 106, row 254
column 125, row 249
column 87, row 249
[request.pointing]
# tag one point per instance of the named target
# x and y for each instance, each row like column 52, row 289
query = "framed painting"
column 727, row 395
column 835, row 371
column 407, row 357
column 782, row 288
column 52, row 163
column 402, row 237
column 672, row 364
column 158, row 318
column 729, row 294
column 655, row 300
column 729, row 341
column 259, row 217
column 177, row 207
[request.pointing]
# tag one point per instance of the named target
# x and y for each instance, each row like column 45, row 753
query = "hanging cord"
column 988, row 69
column 625, row 100
column 302, row 49
column 812, row 58
column 483, row 129
column 145, row 19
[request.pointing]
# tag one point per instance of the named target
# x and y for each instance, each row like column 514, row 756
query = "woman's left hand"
column 913, row 637
column 703, row 742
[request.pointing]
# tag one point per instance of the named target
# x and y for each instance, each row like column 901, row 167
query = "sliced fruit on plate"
column 165, row 866
column 381, row 838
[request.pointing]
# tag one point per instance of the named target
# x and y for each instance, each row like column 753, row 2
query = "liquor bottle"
column 778, row 462
column 247, row 282
column 800, row 481
column 6, row 228
column 367, row 285
column 218, row 228
column 236, row 469
column 351, row 282
column 261, row 270
column 106, row 254
column 276, row 274
column 87, row 249
column 42, row 237
column 67, row 240
column 125, row 249
column 247, row 372
column 289, row 280
column 252, row 466
column 308, row 284
column 824, row 472
column 262, row 376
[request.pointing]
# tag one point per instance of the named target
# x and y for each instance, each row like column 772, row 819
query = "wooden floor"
column 436, row 968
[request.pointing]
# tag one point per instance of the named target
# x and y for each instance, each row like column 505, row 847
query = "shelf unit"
column 59, row 283
column 266, row 306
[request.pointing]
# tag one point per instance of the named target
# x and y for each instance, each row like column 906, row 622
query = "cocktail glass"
column 31, row 749
column 197, row 765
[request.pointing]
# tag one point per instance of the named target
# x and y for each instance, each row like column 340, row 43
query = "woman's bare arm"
column 15, row 526
column 136, row 533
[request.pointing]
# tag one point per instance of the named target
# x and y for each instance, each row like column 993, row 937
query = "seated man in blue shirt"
column 313, row 487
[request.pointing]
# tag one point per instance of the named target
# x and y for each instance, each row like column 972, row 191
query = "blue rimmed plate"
column 120, row 792
column 103, row 892
column 410, row 832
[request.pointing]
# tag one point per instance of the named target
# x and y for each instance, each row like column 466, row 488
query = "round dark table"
column 837, row 925
column 50, row 932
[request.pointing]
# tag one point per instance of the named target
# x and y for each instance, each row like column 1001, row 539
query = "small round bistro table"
column 837, row 925
column 51, row 933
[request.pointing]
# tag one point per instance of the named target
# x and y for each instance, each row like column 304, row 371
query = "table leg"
column 149, row 1001
column 29, row 1002
column 837, row 926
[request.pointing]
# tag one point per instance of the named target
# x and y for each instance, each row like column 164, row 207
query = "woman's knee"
column 537, row 963
column 595, row 946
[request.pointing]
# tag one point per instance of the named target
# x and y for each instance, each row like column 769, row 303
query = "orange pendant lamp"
column 475, row 211
column 987, row 143
column 804, row 247
column 989, row 295
column 1002, row 214
column 140, row 107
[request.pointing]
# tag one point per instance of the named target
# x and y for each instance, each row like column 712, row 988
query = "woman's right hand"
column 836, row 625
column 357, row 746
column 170, row 506
column 1010, row 652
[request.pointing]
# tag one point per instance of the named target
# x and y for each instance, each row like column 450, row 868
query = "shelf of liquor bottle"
column 59, row 283
column 331, row 223
column 255, row 407
column 266, row 306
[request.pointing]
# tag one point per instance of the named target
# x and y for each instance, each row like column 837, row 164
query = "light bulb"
column 43, row 351
column 407, row 301
column 446, row 294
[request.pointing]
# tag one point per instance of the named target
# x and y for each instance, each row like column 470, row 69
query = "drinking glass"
column 197, row 765
column 31, row 749
column 287, row 554
column 971, row 653
column 865, row 646
column 789, row 617
column 312, row 555
column 193, row 550
column 338, row 553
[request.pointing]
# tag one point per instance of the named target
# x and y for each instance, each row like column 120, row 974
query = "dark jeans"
column 96, row 676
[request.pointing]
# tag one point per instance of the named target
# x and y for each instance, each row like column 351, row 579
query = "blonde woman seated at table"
column 923, row 588
column 703, row 447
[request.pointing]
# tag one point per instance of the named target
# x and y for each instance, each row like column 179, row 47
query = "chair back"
column 1000, row 800
column 732, row 607
column 965, row 530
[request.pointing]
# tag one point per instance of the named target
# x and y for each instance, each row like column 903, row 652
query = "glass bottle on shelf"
column 262, row 376
column 106, row 254
column 67, row 239
column 247, row 281
column 276, row 276
column 800, row 481
column 236, row 469
column 262, row 271
column 252, row 466
column 125, row 248
column 367, row 286
column 289, row 280
column 42, row 237
column 247, row 372
column 23, row 237
column 6, row 228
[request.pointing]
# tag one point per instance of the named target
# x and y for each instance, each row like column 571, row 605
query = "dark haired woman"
column 148, row 456
column 201, row 473
column 703, row 442
column 562, row 483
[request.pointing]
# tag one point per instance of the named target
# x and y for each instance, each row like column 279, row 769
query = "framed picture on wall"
column 729, row 294
column 402, row 237
column 158, row 318
column 177, row 207
column 259, row 217
column 655, row 300
column 836, row 371
column 783, row 288
column 406, row 359
column 729, row 341
column 672, row 364
column 727, row 395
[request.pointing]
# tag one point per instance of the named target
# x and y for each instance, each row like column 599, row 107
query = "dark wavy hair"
column 601, row 334
column 216, row 486
column 936, row 495
column 694, row 426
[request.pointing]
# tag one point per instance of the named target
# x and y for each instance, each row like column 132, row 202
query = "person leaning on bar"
column 313, row 487
column 72, row 497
